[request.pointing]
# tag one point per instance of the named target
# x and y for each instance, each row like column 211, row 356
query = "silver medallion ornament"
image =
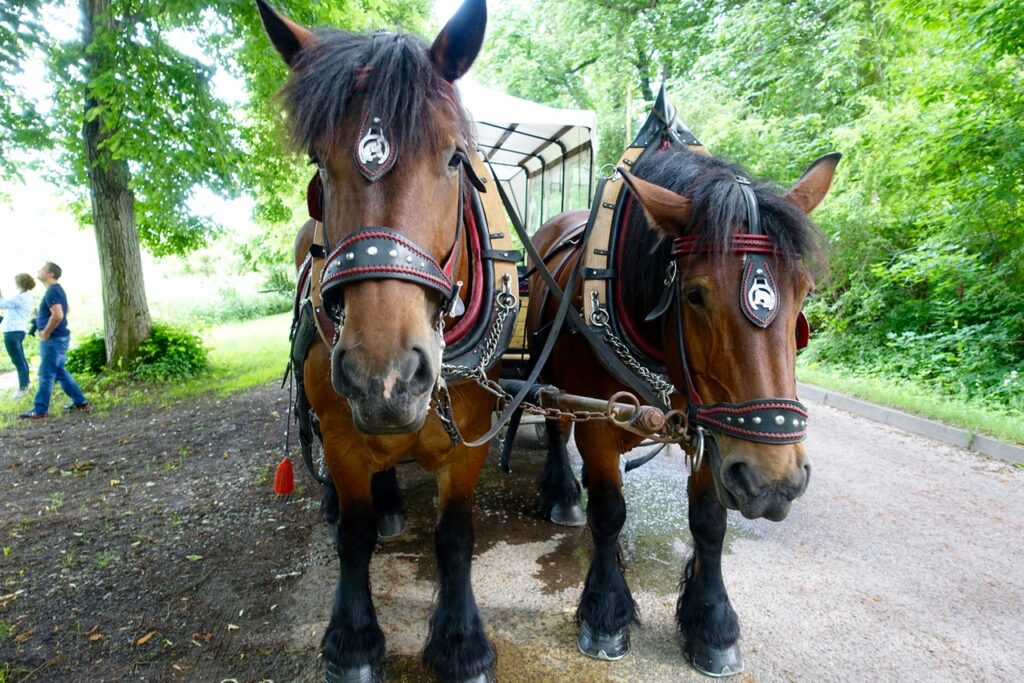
column 759, row 296
column 374, row 154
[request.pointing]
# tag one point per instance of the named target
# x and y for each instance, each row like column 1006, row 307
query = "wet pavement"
column 900, row 563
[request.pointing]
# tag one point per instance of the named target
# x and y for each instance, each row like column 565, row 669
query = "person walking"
column 54, row 337
column 18, row 310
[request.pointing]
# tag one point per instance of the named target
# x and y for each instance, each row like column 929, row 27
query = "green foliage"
column 232, row 306
column 168, row 354
column 89, row 356
column 926, row 101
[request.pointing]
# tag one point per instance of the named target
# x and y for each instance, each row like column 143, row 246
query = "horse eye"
column 695, row 297
column 457, row 160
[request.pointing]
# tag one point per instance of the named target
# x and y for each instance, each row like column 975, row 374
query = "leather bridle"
column 764, row 420
column 384, row 253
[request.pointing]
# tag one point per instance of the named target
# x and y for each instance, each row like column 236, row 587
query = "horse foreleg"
column 457, row 647
column 705, row 617
column 387, row 504
column 606, row 608
column 353, row 645
column 559, row 490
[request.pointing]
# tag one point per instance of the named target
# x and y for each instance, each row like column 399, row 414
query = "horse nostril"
column 420, row 370
column 341, row 376
column 740, row 479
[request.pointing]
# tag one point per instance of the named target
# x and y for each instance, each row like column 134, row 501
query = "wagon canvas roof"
column 520, row 137
column 518, row 134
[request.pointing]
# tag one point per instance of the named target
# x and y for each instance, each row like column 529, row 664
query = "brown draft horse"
column 380, row 117
column 730, row 361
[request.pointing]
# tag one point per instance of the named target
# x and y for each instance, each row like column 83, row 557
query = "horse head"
column 738, row 268
column 380, row 117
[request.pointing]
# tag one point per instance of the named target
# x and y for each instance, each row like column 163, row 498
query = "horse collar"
column 373, row 152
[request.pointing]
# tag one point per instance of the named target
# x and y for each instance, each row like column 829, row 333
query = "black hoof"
column 606, row 646
column 390, row 524
column 367, row 673
column 711, row 660
column 568, row 515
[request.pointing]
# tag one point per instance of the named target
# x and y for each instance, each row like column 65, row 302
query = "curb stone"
column 912, row 423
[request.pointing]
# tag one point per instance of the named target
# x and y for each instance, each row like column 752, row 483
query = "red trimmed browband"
column 757, row 244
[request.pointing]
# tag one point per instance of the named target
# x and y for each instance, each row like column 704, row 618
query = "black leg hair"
column 353, row 637
column 703, row 610
column 557, row 483
column 457, row 647
column 606, row 603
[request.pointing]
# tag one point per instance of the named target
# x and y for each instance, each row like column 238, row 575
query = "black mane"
column 392, row 72
column 718, row 209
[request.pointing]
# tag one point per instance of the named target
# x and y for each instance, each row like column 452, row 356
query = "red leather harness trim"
column 475, row 301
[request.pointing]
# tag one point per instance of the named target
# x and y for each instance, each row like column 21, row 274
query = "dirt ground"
column 145, row 544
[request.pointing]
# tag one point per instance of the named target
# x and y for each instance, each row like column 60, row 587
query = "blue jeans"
column 53, row 353
column 13, row 344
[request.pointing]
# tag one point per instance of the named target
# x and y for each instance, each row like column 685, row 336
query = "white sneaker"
column 22, row 392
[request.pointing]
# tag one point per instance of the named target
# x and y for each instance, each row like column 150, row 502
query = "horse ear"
column 665, row 210
column 459, row 42
column 288, row 37
column 813, row 185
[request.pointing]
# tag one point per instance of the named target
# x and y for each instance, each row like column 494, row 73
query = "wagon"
column 544, row 159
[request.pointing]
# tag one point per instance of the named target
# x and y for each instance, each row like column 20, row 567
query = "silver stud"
column 372, row 251
column 408, row 259
column 740, row 420
column 796, row 422
column 423, row 264
column 780, row 420
column 728, row 419
column 803, row 423
column 760, row 272
column 393, row 253
column 349, row 256
column 756, row 420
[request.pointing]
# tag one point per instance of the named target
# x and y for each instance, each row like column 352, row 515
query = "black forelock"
column 718, row 210
column 393, row 74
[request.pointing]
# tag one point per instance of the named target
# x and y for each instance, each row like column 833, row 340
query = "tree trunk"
column 126, row 318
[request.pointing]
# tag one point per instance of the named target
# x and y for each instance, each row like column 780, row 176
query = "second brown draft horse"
column 706, row 247
column 381, row 119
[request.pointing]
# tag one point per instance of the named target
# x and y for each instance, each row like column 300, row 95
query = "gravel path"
column 901, row 563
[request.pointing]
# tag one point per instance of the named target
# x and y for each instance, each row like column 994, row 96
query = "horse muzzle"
column 753, row 483
column 394, row 401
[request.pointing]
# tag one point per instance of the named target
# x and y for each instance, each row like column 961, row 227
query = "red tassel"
column 284, row 478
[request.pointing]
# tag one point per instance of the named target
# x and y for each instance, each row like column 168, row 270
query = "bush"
column 89, row 357
column 169, row 353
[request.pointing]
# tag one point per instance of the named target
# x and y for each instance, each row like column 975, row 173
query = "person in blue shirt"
column 18, row 311
column 54, row 336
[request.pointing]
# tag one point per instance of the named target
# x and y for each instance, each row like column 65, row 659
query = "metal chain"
column 660, row 385
column 506, row 304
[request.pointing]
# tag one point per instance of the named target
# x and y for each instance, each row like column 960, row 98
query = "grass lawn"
column 1000, row 423
column 242, row 355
